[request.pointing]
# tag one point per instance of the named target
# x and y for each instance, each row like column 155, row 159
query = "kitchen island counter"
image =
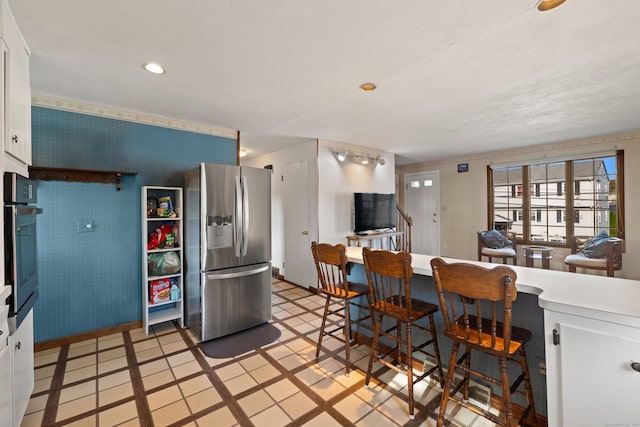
column 598, row 297
column 588, row 327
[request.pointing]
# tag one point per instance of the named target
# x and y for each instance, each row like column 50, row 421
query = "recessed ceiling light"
column 368, row 87
column 154, row 68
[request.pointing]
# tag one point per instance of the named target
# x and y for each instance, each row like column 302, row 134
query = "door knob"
column 635, row 366
column 14, row 138
column 305, row 232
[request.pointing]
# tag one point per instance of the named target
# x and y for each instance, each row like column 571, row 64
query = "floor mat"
column 240, row 342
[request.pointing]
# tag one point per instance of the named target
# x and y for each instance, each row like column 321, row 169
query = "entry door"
column 422, row 203
column 298, row 262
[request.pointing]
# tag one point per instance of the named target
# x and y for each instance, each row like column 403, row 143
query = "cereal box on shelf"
column 159, row 290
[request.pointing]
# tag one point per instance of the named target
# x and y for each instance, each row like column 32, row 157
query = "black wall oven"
column 21, row 268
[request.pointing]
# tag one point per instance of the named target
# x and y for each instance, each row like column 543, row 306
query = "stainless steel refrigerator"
column 228, row 249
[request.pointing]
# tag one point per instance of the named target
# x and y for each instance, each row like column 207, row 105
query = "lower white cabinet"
column 21, row 346
column 590, row 377
column 6, row 375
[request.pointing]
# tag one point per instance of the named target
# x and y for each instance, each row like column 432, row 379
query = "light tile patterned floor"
column 129, row 379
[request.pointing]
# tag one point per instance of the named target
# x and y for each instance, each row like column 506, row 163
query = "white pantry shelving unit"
column 155, row 308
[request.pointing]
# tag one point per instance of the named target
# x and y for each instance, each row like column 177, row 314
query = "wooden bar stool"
column 472, row 298
column 331, row 264
column 389, row 276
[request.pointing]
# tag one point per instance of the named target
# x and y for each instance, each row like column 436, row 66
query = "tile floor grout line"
column 142, row 405
column 51, row 408
column 226, row 395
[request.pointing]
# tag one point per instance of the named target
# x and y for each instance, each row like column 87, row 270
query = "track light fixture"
column 341, row 155
column 362, row 158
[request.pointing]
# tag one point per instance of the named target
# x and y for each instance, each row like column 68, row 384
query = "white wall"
column 330, row 192
column 337, row 181
column 306, row 150
column 463, row 196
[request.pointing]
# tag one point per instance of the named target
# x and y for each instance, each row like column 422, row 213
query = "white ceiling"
column 454, row 77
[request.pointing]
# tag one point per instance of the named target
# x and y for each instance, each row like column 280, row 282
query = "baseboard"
column 58, row 342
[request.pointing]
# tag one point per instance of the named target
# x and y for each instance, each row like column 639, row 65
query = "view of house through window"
column 535, row 202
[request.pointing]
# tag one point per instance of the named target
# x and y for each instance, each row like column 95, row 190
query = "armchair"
column 610, row 262
column 490, row 247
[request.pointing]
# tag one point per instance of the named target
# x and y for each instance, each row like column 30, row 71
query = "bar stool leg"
column 432, row 325
column 324, row 322
column 506, row 392
column 409, row 357
column 527, row 379
column 446, row 391
column 347, row 334
column 374, row 348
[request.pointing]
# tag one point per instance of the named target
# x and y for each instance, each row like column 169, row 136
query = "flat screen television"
column 374, row 211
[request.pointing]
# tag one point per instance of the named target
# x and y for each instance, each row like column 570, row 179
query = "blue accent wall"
column 92, row 280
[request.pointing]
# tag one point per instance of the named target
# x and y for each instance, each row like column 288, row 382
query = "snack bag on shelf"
column 162, row 237
column 163, row 263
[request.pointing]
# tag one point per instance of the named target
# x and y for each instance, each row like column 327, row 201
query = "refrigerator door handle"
column 237, row 274
column 237, row 230
column 245, row 217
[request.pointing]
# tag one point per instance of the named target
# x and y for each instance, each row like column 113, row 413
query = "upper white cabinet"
column 17, row 95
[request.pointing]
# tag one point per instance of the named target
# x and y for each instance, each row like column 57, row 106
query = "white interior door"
column 298, row 262
column 422, row 203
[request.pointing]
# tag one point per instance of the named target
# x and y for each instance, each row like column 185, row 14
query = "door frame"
column 298, row 203
column 436, row 173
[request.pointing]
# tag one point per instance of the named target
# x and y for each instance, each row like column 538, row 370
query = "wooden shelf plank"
column 77, row 175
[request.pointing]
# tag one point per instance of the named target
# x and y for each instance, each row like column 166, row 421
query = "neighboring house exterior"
column 547, row 201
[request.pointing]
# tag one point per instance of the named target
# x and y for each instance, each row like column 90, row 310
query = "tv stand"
column 375, row 240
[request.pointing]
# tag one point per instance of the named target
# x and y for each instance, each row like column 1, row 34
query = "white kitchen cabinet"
column 6, row 376
column 164, row 305
column 589, row 366
column 17, row 96
column 21, row 344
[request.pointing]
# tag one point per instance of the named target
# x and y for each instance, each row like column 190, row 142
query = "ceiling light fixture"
column 368, row 87
column 242, row 153
column 359, row 157
column 341, row 155
column 546, row 5
column 154, row 68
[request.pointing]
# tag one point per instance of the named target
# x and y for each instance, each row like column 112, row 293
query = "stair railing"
column 404, row 224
